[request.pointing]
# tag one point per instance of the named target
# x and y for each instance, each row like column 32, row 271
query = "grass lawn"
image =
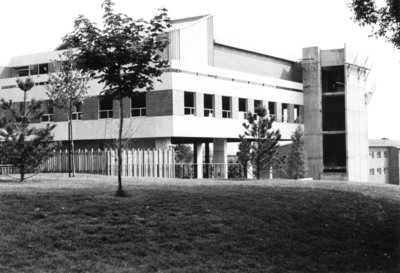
column 56, row 224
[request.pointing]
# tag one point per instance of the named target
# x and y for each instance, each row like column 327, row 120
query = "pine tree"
column 25, row 147
column 296, row 166
column 262, row 151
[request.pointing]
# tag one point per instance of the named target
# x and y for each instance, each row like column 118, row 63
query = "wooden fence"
column 135, row 163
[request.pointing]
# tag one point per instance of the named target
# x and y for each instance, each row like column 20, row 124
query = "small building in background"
column 384, row 161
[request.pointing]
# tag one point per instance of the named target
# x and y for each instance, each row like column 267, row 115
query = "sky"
column 284, row 26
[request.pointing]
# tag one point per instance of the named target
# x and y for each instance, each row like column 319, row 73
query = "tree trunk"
column 69, row 137
column 121, row 120
column 22, row 173
column 72, row 152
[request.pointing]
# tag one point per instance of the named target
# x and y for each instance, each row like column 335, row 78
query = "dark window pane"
column 43, row 68
column 189, row 99
column 242, row 105
column 106, row 103
column 208, row 101
column 138, row 100
column 226, row 103
column 135, row 112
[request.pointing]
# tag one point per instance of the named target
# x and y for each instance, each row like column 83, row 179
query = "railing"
column 106, row 113
column 189, row 110
column 138, row 112
column 209, row 170
column 7, row 169
column 208, row 112
column 226, row 113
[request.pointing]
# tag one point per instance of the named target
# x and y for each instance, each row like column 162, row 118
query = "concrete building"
column 384, row 164
column 205, row 93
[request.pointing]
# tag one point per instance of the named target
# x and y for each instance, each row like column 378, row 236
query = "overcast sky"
column 284, row 26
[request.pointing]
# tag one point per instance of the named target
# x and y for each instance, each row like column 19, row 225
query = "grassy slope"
column 204, row 226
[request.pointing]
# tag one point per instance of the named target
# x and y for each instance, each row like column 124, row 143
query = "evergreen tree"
column 183, row 153
column 125, row 55
column 296, row 166
column 262, row 151
column 66, row 88
column 25, row 147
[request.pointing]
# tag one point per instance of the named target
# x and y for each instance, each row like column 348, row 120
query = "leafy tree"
column 66, row 88
column 262, row 151
column 296, row 166
column 183, row 153
column 25, row 147
column 124, row 54
column 384, row 20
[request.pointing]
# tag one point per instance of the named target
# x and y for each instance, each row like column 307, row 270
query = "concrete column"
column 279, row 112
column 207, row 159
column 198, row 159
column 179, row 103
column 162, row 143
column 291, row 113
column 220, row 157
column 199, row 102
column 235, row 107
column 218, row 106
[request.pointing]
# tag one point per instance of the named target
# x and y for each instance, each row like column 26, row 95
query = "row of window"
column 378, row 171
column 209, row 109
column 30, row 70
column 378, row 154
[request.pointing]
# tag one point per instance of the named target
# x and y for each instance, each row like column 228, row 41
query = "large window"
column 226, row 107
column 138, row 105
column 243, row 108
column 77, row 114
column 30, row 70
column 189, row 103
column 48, row 111
column 296, row 114
column 285, row 112
column 105, row 107
column 208, row 105
column 257, row 104
column 272, row 110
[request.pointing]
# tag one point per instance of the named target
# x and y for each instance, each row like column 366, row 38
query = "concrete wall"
column 237, row 59
column 312, row 110
column 356, row 124
column 394, row 166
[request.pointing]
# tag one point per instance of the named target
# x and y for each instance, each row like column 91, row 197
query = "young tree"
column 244, row 153
column 264, row 142
column 384, row 20
column 296, row 166
column 183, row 153
column 124, row 54
column 66, row 88
column 25, row 147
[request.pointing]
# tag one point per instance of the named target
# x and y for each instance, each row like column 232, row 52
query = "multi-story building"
column 384, row 164
column 206, row 92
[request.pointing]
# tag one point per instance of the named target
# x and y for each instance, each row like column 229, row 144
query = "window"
column 226, row 107
column 21, row 71
column 77, row 114
column 271, row 110
column 385, row 170
column 43, row 68
column 378, row 154
column 105, row 107
column 208, row 105
column 31, row 70
column 385, row 154
column 371, row 172
column 371, row 154
column 257, row 104
column 189, row 103
column 242, row 108
column 138, row 105
column 48, row 112
column 379, row 171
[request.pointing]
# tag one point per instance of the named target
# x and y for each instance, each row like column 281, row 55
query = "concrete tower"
column 335, row 115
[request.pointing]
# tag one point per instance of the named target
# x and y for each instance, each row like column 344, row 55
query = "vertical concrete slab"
column 278, row 114
column 235, row 107
column 291, row 113
column 220, row 157
column 250, row 105
column 179, row 103
column 199, row 104
column 218, row 106
column 312, row 110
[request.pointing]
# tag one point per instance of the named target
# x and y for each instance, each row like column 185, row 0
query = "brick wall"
column 159, row 103
column 90, row 108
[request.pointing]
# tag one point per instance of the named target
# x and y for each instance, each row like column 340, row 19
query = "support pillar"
column 220, row 158
column 198, row 159
column 207, row 160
